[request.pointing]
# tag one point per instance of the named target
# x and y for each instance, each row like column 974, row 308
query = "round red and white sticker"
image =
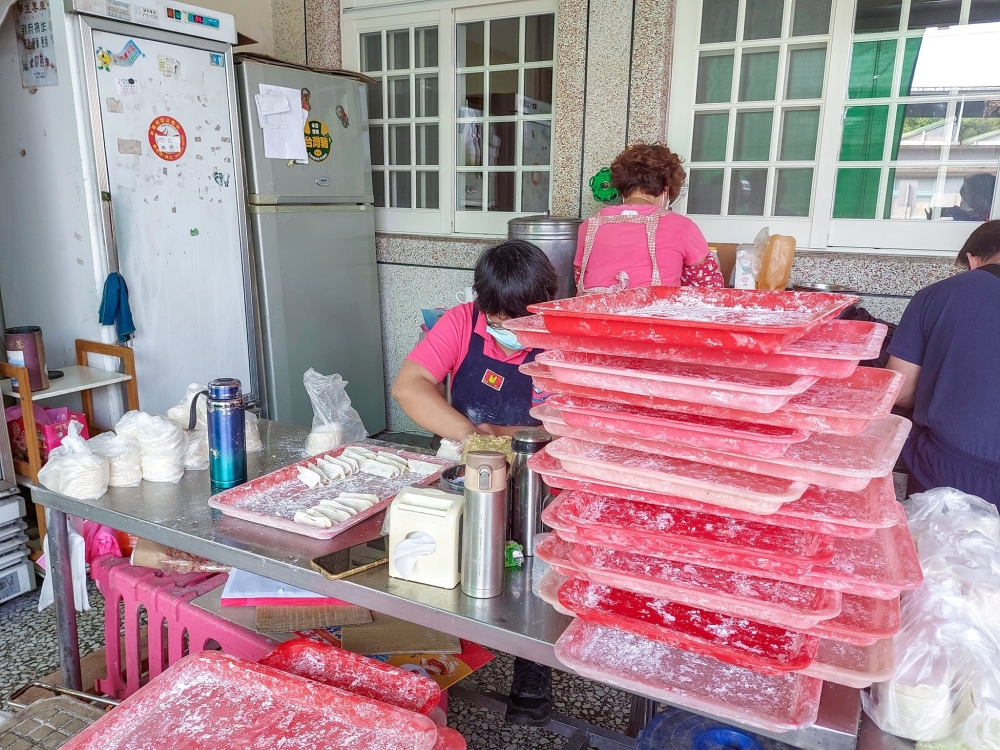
column 167, row 138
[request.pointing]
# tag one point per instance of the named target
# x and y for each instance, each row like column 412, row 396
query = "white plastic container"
column 437, row 514
column 11, row 509
column 17, row 580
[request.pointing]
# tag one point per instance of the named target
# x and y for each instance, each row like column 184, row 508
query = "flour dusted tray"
column 274, row 499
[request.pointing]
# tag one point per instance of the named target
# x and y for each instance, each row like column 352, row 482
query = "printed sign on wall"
column 35, row 46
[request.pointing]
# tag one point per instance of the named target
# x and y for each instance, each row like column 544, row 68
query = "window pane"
column 978, row 132
column 470, row 44
column 805, row 73
column 535, row 191
column 715, row 78
column 856, row 195
column 537, row 99
column 753, row 136
column 371, row 52
column 984, row 11
column 375, row 136
column 536, row 144
column 470, row 95
column 427, row 190
column 746, row 192
column 505, row 37
column 399, row 190
column 502, row 191
column 425, row 43
column 921, row 131
column 375, row 101
column 470, row 145
column 426, row 89
column 539, row 37
column 910, row 193
column 718, row 20
column 798, row 135
column 758, row 76
column 470, row 191
column 378, row 187
column 910, row 53
column 925, row 13
column 793, row 192
column 399, row 97
column 705, row 191
column 503, row 144
column 399, row 144
column 864, row 133
column 427, row 144
column 811, row 17
column 398, row 47
column 871, row 69
column 877, row 15
column 968, row 193
column 711, row 133
column 763, row 19
column 503, row 93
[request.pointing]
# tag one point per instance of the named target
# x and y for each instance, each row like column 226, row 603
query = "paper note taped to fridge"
column 281, row 117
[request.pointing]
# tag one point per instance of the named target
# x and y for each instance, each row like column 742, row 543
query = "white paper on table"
column 242, row 587
column 286, row 142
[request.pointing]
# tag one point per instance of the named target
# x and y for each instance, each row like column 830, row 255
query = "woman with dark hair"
column 642, row 242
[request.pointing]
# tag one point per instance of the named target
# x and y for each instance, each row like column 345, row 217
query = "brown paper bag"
column 777, row 263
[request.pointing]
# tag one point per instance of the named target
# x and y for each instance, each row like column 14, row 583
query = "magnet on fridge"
column 216, row 59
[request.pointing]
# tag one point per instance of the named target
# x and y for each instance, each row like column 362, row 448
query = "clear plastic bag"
column 181, row 413
column 748, row 261
column 335, row 421
column 254, row 443
column 164, row 446
column 124, row 457
column 74, row 470
column 128, row 425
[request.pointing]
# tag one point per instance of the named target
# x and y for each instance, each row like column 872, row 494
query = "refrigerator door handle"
column 109, row 231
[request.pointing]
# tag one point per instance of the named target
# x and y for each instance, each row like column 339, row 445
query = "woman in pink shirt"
column 642, row 242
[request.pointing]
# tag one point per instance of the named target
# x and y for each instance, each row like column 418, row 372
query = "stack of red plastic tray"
column 727, row 535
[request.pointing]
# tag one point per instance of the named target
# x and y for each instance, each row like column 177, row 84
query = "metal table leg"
column 61, row 570
column 643, row 710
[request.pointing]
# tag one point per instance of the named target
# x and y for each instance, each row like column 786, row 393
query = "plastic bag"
column 254, row 443
column 123, row 457
column 776, row 265
column 164, row 446
column 181, row 413
column 748, row 261
column 196, row 455
column 128, row 425
column 335, row 421
column 74, row 470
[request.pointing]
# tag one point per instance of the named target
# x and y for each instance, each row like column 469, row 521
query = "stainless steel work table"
column 517, row 622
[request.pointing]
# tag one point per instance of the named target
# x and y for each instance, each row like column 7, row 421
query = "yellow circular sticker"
column 318, row 140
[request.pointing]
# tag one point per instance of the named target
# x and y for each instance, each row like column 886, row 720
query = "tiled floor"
column 28, row 650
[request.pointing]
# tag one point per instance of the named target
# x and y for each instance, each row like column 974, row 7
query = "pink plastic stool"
column 167, row 601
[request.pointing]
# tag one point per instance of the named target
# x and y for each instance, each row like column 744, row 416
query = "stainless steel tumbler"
column 484, row 523
column 527, row 489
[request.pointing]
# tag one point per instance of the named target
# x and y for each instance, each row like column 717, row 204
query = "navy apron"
column 488, row 391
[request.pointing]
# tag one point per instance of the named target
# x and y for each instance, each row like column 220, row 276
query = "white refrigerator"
column 129, row 161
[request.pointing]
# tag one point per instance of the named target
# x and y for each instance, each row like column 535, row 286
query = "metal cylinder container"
column 527, row 489
column 483, row 524
column 227, row 445
column 556, row 237
column 26, row 349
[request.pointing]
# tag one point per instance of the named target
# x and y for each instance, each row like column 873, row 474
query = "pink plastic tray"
column 763, row 648
column 764, row 441
column 640, row 665
column 274, row 499
column 831, row 350
column 555, row 551
column 845, row 463
column 862, row 621
column 695, row 316
column 855, row 515
column 716, row 386
column 707, row 484
column 791, row 605
column 548, row 591
column 211, row 700
column 854, row 666
column 673, row 534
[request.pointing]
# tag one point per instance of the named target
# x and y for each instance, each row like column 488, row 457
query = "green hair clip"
column 601, row 187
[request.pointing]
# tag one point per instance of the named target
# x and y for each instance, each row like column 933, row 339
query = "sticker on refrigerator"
column 342, row 116
column 125, row 59
column 216, row 59
column 35, row 44
column 118, row 9
column 167, row 138
column 127, row 86
column 168, row 65
column 143, row 14
column 318, row 140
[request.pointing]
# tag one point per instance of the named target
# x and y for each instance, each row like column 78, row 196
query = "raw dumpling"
column 309, row 478
column 379, row 469
column 337, row 505
column 337, row 461
column 357, row 450
column 373, row 499
column 351, row 461
column 357, row 503
column 332, row 470
column 334, row 514
column 422, row 467
column 389, row 458
column 307, row 519
column 323, row 478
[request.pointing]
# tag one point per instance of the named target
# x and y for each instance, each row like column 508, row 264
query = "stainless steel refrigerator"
column 313, row 236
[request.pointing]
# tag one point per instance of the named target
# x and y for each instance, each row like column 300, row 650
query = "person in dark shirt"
column 948, row 346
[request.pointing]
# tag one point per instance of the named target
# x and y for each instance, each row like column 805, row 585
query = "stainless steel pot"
column 556, row 237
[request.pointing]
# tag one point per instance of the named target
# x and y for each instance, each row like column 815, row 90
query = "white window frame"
column 369, row 16
column 820, row 231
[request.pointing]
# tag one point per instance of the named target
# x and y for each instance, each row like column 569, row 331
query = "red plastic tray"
column 791, row 605
column 673, row 534
column 356, row 674
column 713, row 485
column 548, row 591
column 763, row 648
column 854, row 666
column 862, row 621
column 554, row 551
column 716, row 386
column 701, row 683
column 747, row 438
column 211, row 700
column 855, row 515
column 831, row 350
column 738, row 319
column 840, row 462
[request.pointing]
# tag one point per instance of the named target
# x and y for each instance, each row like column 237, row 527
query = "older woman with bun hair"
column 642, row 242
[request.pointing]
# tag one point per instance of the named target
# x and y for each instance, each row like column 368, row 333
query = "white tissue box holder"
column 438, row 514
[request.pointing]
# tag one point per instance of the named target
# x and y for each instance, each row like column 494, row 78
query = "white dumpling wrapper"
column 334, row 471
column 423, row 468
column 379, row 469
column 337, row 505
column 357, row 503
column 308, row 519
column 309, row 478
column 334, row 514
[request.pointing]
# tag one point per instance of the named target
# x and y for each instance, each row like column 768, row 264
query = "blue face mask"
column 505, row 338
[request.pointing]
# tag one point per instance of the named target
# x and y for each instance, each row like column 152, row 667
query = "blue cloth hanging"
column 115, row 309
